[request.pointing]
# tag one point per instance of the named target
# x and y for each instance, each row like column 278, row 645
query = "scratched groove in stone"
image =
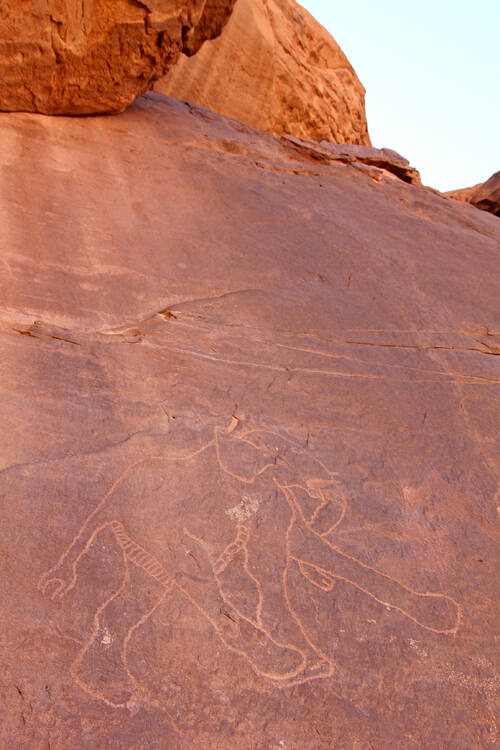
column 249, row 464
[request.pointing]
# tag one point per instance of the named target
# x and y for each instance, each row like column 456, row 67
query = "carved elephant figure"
column 258, row 498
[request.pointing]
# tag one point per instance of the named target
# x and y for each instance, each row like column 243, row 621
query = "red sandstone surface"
column 83, row 57
column 249, row 457
column 485, row 195
column 277, row 69
column 462, row 194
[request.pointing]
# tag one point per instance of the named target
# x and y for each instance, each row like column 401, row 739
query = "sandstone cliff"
column 90, row 56
column 249, row 468
column 277, row 69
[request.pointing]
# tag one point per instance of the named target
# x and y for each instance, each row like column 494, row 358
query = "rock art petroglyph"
column 265, row 499
column 162, row 270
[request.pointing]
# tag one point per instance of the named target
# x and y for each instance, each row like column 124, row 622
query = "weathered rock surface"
column 382, row 159
column 83, row 57
column 249, row 446
column 277, row 69
column 485, row 195
column 462, row 194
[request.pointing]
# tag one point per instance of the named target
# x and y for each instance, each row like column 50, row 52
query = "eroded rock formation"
column 381, row 159
column 462, row 194
column 277, row 69
column 249, row 468
column 485, row 195
column 83, row 57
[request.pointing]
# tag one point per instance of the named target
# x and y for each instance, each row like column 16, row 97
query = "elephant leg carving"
column 322, row 561
column 269, row 656
column 101, row 669
column 276, row 613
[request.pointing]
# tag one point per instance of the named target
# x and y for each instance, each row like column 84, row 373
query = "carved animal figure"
column 184, row 520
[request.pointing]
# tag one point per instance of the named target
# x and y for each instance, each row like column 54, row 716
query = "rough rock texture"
column 385, row 159
column 485, row 195
column 249, row 446
column 277, row 69
column 94, row 56
column 463, row 194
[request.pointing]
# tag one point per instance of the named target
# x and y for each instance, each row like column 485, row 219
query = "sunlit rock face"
column 276, row 68
column 485, row 195
column 249, row 446
column 462, row 194
column 82, row 57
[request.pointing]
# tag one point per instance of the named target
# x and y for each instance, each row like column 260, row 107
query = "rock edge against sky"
column 277, row 69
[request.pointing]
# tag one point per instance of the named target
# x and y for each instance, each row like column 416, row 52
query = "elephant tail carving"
column 232, row 550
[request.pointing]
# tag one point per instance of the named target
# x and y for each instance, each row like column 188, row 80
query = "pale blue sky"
column 431, row 70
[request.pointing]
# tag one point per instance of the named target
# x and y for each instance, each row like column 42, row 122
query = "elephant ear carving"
column 241, row 458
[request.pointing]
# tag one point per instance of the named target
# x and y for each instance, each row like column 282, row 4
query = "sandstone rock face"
column 276, row 68
column 95, row 56
column 487, row 195
column 462, row 194
column 382, row 159
column 249, row 447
